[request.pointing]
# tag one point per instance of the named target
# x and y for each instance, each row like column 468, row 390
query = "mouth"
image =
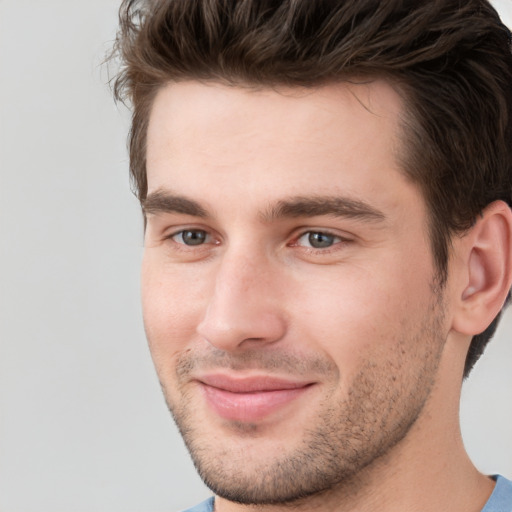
column 250, row 399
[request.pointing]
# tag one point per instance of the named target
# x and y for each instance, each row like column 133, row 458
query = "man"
column 326, row 191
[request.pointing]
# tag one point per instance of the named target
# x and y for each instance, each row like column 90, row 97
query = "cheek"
column 352, row 313
column 171, row 305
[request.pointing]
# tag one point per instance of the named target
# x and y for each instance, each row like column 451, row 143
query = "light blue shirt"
column 501, row 498
column 499, row 501
column 205, row 506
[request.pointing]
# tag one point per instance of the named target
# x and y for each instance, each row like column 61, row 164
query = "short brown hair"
column 450, row 60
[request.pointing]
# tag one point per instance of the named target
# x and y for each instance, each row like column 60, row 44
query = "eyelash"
column 183, row 231
column 186, row 248
column 337, row 241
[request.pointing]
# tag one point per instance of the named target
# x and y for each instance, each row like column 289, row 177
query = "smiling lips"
column 249, row 399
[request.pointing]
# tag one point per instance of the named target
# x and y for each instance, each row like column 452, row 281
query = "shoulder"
column 501, row 498
column 205, row 506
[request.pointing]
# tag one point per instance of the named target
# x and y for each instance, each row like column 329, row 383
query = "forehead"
column 287, row 141
column 190, row 108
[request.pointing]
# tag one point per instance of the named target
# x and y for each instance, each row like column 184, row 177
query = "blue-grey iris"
column 320, row 240
column 193, row 237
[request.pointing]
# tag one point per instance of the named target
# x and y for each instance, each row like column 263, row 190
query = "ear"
column 487, row 270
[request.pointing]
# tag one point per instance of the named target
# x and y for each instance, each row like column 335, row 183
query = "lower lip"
column 249, row 407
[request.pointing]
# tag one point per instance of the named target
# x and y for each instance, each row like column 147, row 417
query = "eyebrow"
column 324, row 205
column 163, row 201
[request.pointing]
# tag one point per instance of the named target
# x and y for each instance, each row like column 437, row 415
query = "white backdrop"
column 83, row 426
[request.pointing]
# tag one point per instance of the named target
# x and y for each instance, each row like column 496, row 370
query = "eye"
column 318, row 240
column 191, row 237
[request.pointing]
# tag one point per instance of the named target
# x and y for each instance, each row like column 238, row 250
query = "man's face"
column 288, row 287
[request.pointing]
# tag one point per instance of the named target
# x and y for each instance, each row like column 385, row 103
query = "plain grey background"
column 83, row 426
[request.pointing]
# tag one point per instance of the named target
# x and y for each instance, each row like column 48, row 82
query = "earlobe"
column 488, row 265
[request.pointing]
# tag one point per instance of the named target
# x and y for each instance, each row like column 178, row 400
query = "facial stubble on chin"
column 346, row 437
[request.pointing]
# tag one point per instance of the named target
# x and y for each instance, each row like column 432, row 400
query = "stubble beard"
column 384, row 401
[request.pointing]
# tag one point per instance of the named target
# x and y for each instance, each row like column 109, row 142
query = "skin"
column 233, row 286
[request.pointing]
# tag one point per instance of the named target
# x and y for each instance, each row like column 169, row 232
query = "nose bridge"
column 243, row 305
column 239, row 272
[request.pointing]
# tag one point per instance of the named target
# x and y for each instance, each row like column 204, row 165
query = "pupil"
column 194, row 237
column 320, row 240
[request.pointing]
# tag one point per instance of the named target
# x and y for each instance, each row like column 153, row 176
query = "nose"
column 244, row 309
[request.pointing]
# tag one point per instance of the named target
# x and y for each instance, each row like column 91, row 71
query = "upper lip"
column 250, row 384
